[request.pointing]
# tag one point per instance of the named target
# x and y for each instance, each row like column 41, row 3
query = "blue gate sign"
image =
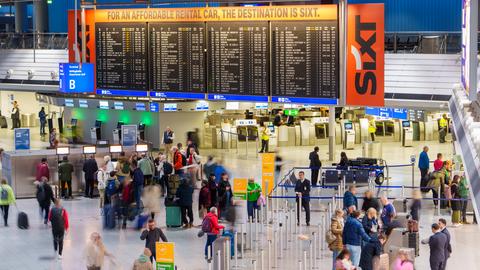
column 22, row 138
column 76, row 78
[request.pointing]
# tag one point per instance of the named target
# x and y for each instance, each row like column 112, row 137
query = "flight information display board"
column 305, row 59
column 177, row 55
column 238, row 58
column 121, row 56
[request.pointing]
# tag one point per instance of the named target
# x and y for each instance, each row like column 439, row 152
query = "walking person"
column 143, row 262
column 44, row 197
column 146, row 165
column 353, row 234
column 265, row 136
column 151, row 200
column 442, row 128
column 58, row 218
column 315, row 165
column 90, row 168
column 167, row 141
column 185, row 195
column 463, row 192
column 42, row 116
column 302, row 192
column 213, row 188
column 42, row 170
column 254, row 190
column 95, row 252
column 15, row 115
column 437, row 243
column 336, row 229
column 65, row 171
column 416, row 205
column 225, row 195
column 212, row 219
column 448, row 246
column 424, row 166
column 7, row 198
column 152, row 234
column 204, row 200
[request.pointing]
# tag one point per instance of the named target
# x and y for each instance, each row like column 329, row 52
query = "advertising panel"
column 365, row 55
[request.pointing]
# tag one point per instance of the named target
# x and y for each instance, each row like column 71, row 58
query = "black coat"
column 437, row 243
column 212, row 186
column 369, row 251
column 47, row 197
column 370, row 203
column 448, row 246
column 152, row 237
column 184, row 193
column 90, row 167
column 315, row 162
column 223, row 193
column 304, row 188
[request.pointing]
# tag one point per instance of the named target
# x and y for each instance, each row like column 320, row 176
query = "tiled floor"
column 32, row 249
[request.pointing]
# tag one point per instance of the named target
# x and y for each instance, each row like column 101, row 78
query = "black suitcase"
column 22, row 221
column 414, row 242
column 3, row 122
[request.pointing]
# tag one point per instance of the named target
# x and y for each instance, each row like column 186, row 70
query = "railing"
column 49, row 41
column 427, row 42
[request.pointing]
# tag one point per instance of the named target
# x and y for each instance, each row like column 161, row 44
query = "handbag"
column 261, row 200
column 330, row 237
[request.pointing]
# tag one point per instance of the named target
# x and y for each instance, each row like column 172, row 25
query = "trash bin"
column 372, row 149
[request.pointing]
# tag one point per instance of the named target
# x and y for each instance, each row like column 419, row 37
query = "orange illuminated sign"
column 365, row 55
column 263, row 13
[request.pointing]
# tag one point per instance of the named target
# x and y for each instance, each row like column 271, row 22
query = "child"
column 343, row 261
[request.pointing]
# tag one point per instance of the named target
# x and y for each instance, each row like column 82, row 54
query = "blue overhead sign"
column 76, row 78
column 300, row 100
column 154, row 107
column 121, row 93
column 388, row 112
column 237, row 98
column 178, row 95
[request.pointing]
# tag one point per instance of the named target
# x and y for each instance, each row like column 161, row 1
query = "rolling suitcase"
column 173, row 216
column 22, row 221
column 3, row 122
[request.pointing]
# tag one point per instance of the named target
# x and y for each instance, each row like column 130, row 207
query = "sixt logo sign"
column 365, row 60
column 365, row 77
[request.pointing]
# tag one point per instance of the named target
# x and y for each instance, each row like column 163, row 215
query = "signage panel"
column 165, row 255
column 129, row 135
column 22, row 138
column 365, row 55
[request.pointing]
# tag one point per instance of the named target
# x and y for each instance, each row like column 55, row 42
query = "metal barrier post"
column 305, row 260
column 249, row 233
column 269, row 254
column 315, row 248
column 413, row 174
column 324, row 228
column 403, row 191
column 310, row 256
column 219, row 255
column 261, row 259
column 235, row 251
column 438, row 201
column 254, row 264
column 246, row 143
column 300, row 264
column 242, row 248
column 228, row 256
column 299, row 212
column 209, row 262
column 256, row 232
column 281, row 241
column 221, row 137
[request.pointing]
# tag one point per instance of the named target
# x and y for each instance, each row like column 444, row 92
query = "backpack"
column 41, row 194
column 126, row 168
column 207, row 225
column 56, row 219
column 110, row 189
column 3, row 194
column 167, row 168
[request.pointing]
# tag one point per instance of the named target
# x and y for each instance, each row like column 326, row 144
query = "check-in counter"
column 297, row 136
column 19, row 168
column 305, row 132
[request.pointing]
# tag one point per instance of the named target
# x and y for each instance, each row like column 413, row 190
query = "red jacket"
column 42, row 170
column 65, row 218
column 204, row 198
column 214, row 221
column 178, row 162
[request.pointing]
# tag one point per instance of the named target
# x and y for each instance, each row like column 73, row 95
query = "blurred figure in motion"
column 95, row 252
column 143, row 262
column 225, row 195
column 209, row 167
column 193, row 161
column 204, row 200
column 185, row 201
column 151, row 200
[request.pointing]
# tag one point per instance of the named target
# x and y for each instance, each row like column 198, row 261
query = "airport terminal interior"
column 191, row 135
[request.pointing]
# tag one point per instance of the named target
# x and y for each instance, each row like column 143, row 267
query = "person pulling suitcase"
column 7, row 198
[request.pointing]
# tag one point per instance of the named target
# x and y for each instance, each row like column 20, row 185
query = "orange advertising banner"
column 262, row 13
column 268, row 173
column 365, row 55
column 89, row 35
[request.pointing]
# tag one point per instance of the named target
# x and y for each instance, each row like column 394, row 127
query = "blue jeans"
column 210, row 239
column 121, row 178
column 334, row 256
column 250, row 207
column 355, row 253
column 138, row 196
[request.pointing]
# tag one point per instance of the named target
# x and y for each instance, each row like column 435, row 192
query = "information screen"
column 177, row 55
column 238, row 58
column 121, row 55
column 305, row 59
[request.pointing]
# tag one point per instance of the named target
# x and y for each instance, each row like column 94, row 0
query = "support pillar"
column 20, row 16
column 331, row 133
column 40, row 16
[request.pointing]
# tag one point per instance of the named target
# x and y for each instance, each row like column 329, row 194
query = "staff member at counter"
column 278, row 121
column 265, row 138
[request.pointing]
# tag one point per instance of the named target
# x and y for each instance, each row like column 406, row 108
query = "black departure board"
column 121, row 56
column 238, row 58
column 304, row 59
column 177, row 57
